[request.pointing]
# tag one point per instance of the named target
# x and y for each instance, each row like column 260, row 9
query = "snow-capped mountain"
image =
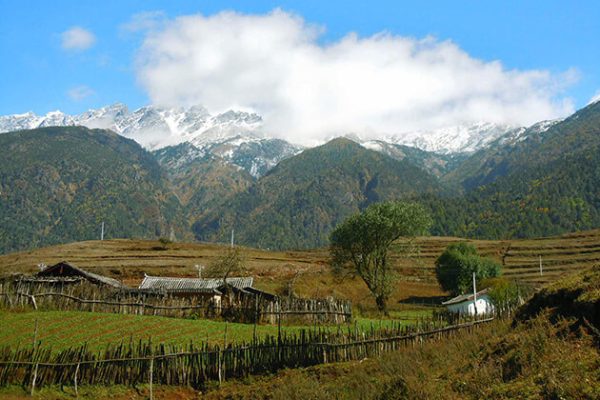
column 466, row 138
column 517, row 135
column 153, row 127
column 233, row 135
column 238, row 137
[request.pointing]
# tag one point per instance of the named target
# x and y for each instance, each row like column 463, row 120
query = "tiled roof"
column 192, row 284
column 464, row 297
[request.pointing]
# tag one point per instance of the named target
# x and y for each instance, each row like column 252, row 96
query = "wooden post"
column 34, row 378
column 34, row 303
column 219, row 366
column 255, row 318
column 75, row 381
column 279, row 322
column 475, row 295
column 35, row 333
column 151, row 373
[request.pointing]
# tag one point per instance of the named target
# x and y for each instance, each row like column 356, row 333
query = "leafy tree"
column 360, row 244
column 455, row 266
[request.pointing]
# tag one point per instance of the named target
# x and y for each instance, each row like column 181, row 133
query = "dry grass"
column 128, row 260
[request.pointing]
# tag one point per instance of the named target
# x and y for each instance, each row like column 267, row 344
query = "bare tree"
column 232, row 262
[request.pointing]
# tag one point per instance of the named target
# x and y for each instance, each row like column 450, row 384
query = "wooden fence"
column 83, row 296
column 135, row 363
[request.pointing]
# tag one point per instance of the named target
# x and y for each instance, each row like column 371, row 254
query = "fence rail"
column 82, row 296
column 132, row 363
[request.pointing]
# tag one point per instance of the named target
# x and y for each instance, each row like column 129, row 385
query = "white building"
column 465, row 304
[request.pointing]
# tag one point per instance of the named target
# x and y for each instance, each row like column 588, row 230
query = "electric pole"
column 232, row 236
column 102, row 231
column 541, row 269
column 475, row 294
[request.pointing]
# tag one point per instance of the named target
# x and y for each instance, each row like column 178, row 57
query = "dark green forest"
column 58, row 184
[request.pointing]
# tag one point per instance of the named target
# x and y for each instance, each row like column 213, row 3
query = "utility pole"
column 199, row 268
column 475, row 294
column 232, row 236
column 102, row 231
column 541, row 269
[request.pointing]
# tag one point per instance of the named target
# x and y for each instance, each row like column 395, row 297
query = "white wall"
column 484, row 306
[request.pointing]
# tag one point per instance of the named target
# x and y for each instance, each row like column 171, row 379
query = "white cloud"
column 144, row 21
column 306, row 91
column 595, row 98
column 79, row 93
column 77, row 39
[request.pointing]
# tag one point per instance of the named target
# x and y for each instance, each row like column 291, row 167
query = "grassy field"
column 491, row 363
column 128, row 260
column 63, row 329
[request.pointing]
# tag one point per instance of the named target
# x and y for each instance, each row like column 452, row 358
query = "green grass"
column 63, row 329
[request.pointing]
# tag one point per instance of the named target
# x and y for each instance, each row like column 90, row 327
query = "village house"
column 466, row 304
column 212, row 288
column 64, row 272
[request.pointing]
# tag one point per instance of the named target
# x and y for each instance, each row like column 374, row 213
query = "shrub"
column 455, row 266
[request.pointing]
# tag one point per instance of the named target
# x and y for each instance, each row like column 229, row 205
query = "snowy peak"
column 152, row 126
column 517, row 135
column 238, row 136
column 234, row 136
column 466, row 138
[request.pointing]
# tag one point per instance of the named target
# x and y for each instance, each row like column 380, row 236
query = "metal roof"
column 464, row 297
column 192, row 284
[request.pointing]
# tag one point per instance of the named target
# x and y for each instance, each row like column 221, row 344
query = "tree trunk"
column 382, row 304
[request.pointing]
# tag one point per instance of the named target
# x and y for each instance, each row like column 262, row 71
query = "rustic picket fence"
column 195, row 365
column 79, row 295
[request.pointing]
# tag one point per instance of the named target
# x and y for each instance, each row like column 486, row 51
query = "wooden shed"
column 67, row 271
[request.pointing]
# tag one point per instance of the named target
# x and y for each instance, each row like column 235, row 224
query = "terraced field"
column 128, row 260
column 520, row 258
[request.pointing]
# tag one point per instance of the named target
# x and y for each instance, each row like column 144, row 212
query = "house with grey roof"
column 471, row 304
column 205, row 287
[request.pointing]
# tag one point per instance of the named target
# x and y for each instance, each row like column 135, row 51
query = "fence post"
column 35, row 333
column 219, row 366
column 34, row 379
column 34, row 303
column 151, row 373
column 255, row 318
column 75, row 381
column 279, row 322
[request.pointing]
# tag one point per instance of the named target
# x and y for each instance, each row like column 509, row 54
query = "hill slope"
column 301, row 200
column 201, row 181
column 544, row 184
column 59, row 184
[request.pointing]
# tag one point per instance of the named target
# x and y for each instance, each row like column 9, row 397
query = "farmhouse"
column 465, row 304
column 205, row 287
column 66, row 272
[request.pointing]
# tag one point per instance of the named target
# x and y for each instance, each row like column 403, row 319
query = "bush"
column 506, row 295
column 455, row 266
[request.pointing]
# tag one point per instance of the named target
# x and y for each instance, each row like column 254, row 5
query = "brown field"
column 128, row 260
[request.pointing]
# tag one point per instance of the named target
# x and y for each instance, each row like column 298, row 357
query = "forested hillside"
column 546, row 184
column 299, row 202
column 58, row 185
column 201, row 181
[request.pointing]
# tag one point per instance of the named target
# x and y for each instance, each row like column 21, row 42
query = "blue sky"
column 37, row 73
